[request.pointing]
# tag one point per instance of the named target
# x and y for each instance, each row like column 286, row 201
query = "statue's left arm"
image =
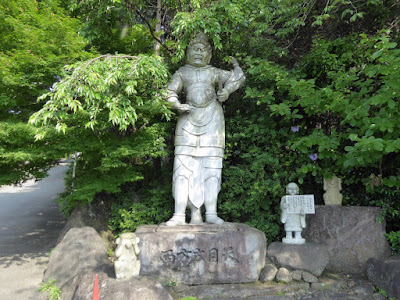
column 231, row 81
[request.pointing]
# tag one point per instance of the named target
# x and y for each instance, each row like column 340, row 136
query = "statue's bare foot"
column 213, row 218
column 177, row 219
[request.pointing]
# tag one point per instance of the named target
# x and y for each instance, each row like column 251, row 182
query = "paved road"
column 30, row 223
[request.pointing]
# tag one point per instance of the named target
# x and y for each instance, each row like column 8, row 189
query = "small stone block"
column 283, row 275
column 296, row 275
column 308, row 277
column 268, row 273
column 309, row 257
column 202, row 254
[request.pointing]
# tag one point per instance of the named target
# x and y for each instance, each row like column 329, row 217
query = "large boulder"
column 94, row 215
column 351, row 234
column 143, row 288
column 202, row 254
column 81, row 248
column 385, row 273
column 308, row 257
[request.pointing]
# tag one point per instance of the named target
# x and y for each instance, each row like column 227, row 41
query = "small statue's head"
column 292, row 189
column 199, row 51
column 128, row 240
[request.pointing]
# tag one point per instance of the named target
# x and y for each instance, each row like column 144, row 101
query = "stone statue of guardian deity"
column 200, row 131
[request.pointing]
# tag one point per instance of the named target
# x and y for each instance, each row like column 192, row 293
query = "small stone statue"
column 127, row 251
column 294, row 222
column 332, row 188
column 200, row 131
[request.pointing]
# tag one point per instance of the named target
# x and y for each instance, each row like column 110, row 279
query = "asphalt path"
column 30, row 222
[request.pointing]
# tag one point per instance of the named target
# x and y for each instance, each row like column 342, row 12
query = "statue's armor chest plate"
column 199, row 84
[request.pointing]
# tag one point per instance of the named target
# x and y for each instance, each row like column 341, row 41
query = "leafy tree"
column 109, row 109
column 36, row 40
column 320, row 99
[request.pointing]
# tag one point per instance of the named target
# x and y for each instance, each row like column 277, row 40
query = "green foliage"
column 108, row 108
column 253, row 180
column 36, row 39
column 189, row 298
column 146, row 202
column 54, row 293
column 120, row 90
column 394, row 241
column 321, row 98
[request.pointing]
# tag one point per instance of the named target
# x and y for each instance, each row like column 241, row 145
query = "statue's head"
column 292, row 189
column 199, row 51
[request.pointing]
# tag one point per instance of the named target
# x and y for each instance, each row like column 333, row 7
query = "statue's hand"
column 234, row 62
column 222, row 95
column 184, row 107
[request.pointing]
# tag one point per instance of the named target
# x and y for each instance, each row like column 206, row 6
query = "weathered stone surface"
column 351, row 234
column 143, row 288
column 308, row 257
column 268, row 273
column 308, row 277
column 283, row 275
column 330, row 286
column 202, row 254
column 296, row 275
column 95, row 215
column 80, row 248
column 385, row 274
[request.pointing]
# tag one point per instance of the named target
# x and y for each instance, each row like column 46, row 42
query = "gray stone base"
column 202, row 254
column 385, row 274
column 307, row 257
column 351, row 234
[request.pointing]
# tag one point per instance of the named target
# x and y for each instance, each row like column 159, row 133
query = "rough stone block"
column 351, row 234
column 268, row 273
column 297, row 275
column 202, row 254
column 79, row 249
column 385, row 274
column 284, row 275
column 308, row 277
column 308, row 257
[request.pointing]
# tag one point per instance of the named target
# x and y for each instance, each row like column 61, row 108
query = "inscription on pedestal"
column 207, row 254
column 185, row 258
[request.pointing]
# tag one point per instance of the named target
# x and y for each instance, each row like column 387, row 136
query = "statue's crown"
column 201, row 38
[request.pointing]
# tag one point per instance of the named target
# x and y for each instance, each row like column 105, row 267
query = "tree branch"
column 152, row 31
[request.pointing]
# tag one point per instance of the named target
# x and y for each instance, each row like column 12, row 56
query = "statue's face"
column 292, row 189
column 198, row 55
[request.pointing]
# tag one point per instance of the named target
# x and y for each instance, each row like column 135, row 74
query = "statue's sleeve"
column 284, row 210
column 233, row 80
column 174, row 88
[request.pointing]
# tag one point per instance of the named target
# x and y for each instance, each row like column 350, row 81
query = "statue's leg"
column 289, row 234
column 212, row 186
column 297, row 235
column 181, row 196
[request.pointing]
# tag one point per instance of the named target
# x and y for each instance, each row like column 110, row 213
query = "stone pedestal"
column 308, row 257
column 351, row 234
column 202, row 254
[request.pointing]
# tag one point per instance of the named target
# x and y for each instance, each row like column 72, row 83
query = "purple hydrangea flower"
column 313, row 157
column 295, row 128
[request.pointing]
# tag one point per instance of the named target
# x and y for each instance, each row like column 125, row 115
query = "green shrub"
column 394, row 241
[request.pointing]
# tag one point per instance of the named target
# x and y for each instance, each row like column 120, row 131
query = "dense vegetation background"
column 321, row 98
